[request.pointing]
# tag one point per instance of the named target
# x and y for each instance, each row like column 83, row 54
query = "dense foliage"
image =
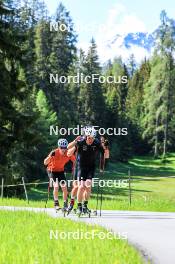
column 30, row 103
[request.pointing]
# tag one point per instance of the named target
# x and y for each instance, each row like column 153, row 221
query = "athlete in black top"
column 87, row 150
column 86, row 158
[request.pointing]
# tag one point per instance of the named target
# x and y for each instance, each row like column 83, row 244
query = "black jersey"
column 87, row 154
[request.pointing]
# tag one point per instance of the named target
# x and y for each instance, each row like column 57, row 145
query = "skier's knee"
column 55, row 189
column 81, row 188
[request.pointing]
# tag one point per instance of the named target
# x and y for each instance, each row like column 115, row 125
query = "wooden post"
column 25, row 189
column 101, row 200
column 2, row 188
column 129, row 175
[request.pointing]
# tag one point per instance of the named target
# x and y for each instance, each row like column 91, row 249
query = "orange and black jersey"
column 57, row 161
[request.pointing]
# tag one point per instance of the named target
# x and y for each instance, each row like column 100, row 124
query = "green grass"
column 152, row 187
column 25, row 238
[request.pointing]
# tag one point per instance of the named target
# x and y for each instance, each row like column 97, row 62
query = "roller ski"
column 86, row 211
column 57, row 209
column 83, row 210
column 94, row 212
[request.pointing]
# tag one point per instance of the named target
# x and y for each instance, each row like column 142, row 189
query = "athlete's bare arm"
column 73, row 143
column 47, row 160
column 71, row 151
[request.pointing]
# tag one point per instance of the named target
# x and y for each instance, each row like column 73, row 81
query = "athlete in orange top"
column 55, row 163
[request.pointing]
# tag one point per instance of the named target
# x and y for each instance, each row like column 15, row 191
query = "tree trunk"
column 156, row 139
column 165, row 136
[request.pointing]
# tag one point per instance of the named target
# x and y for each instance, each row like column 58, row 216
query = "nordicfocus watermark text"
column 80, row 234
column 91, row 183
column 78, row 130
column 79, row 27
column 80, row 78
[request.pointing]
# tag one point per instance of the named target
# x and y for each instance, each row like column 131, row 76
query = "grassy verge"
column 138, row 204
column 153, row 185
column 25, row 238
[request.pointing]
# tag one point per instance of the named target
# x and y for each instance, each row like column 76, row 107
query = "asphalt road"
column 151, row 232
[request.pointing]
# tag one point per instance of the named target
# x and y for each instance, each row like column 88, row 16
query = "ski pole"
column 102, row 160
column 129, row 175
column 101, row 194
column 101, row 199
column 48, row 194
column 97, row 197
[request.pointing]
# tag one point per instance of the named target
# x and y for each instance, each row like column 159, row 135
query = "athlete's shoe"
column 57, row 208
column 79, row 210
column 65, row 206
column 86, row 210
column 56, row 205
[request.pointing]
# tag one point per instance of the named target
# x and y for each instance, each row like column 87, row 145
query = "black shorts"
column 57, row 175
column 84, row 174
